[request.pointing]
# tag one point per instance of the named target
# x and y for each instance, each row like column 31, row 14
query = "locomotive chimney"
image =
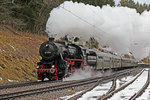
column 51, row 39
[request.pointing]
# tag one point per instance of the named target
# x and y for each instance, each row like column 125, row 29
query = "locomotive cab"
column 75, row 58
column 91, row 58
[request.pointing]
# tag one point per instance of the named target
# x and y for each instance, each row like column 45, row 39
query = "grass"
column 18, row 55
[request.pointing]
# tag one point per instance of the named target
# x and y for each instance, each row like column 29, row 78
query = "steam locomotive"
column 60, row 59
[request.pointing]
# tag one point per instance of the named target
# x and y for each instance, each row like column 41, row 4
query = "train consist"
column 60, row 59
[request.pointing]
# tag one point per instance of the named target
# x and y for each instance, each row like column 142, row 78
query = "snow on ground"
column 1, row 67
column 103, row 88
column 2, row 50
column 124, row 80
column 131, row 89
column 67, row 97
column 1, row 79
column 145, row 95
column 147, row 69
column 93, row 94
column 12, row 80
column 96, row 92
column 13, row 47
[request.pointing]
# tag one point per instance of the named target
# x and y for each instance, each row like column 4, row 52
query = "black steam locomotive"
column 60, row 59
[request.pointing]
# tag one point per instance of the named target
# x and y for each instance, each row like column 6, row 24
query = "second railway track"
column 113, row 92
column 113, row 88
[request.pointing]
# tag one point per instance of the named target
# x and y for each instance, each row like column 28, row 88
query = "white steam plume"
column 122, row 28
column 86, row 73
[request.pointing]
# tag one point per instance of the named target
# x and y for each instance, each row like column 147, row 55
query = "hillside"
column 18, row 54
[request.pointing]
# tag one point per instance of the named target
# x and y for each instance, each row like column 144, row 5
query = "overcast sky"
column 140, row 1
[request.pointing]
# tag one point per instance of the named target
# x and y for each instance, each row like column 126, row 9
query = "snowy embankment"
column 94, row 93
column 103, row 88
column 145, row 95
column 131, row 89
column 97, row 91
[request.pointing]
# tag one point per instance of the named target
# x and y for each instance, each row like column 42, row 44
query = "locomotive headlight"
column 52, row 70
column 53, row 66
column 37, row 67
column 46, row 45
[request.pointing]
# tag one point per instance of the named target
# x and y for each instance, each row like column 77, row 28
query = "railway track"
column 142, row 89
column 62, row 86
column 134, row 96
column 109, row 94
column 79, row 94
column 113, row 89
column 25, row 84
column 32, row 83
column 75, row 97
column 137, row 89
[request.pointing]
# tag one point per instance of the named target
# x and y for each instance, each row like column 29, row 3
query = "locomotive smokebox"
column 48, row 50
column 51, row 39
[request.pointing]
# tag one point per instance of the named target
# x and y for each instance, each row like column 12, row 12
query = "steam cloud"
column 86, row 73
column 121, row 28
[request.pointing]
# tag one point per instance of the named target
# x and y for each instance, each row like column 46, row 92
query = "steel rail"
column 33, row 83
column 58, row 87
column 75, row 97
column 80, row 94
column 142, row 89
column 119, row 89
column 89, row 89
column 112, row 88
column 43, row 90
column 25, row 84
